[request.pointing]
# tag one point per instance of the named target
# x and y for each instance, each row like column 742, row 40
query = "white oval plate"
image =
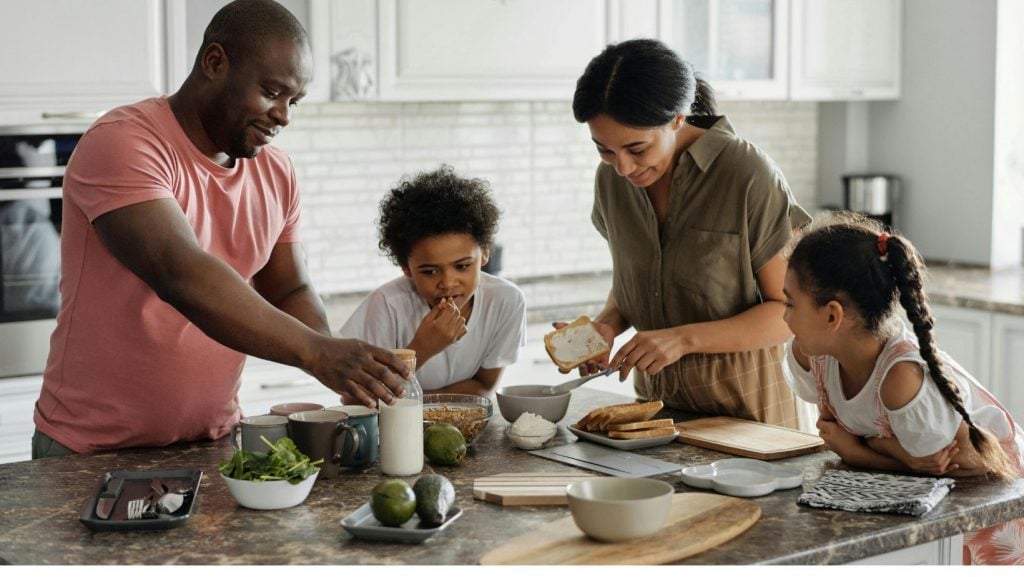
column 742, row 477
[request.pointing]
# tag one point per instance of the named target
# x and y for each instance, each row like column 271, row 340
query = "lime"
column 443, row 444
column 392, row 502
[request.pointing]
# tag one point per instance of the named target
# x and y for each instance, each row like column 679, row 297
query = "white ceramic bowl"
column 530, row 442
column 269, row 494
column 515, row 400
column 619, row 509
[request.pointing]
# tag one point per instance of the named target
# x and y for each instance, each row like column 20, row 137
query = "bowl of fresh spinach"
column 280, row 478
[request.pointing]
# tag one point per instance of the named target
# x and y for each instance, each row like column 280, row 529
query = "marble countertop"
column 43, row 499
column 978, row 288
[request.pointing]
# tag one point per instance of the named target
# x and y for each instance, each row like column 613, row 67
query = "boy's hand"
column 442, row 326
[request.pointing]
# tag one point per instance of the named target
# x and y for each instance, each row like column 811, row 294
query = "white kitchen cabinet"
column 70, row 57
column 966, row 334
column 845, row 49
column 1007, row 382
column 741, row 47
column 187, row 20
column 18, row 398
column 945, row 551
column 461, row 50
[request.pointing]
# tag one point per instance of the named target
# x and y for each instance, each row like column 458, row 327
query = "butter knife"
column 108, row 497
column 570, row 385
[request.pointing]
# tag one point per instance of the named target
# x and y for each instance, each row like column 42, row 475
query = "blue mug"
column 364, row 420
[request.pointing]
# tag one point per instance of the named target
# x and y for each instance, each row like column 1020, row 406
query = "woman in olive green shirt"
column 696, row 219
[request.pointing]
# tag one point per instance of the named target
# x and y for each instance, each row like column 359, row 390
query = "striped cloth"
column 876, row 492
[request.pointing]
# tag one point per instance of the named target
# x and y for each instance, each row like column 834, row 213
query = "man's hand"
column 360, row 372
column 443, row 326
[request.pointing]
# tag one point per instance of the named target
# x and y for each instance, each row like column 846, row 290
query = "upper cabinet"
column 741, row 47
column 846, row 49
column 187, row 20
column 68, row 58
column 486, row 49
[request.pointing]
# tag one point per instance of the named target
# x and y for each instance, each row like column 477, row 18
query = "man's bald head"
column 243, row 27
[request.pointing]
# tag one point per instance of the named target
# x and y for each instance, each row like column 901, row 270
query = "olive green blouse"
column 730, row 211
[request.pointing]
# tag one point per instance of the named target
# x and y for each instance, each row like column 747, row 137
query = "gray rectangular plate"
column 624, row 444
column 608, row 461
column 361, row 523
column 90, row 520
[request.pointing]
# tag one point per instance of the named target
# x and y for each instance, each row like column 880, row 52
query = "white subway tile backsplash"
column 539, row 161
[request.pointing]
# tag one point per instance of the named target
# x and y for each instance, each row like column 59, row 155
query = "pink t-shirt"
column 126, row 368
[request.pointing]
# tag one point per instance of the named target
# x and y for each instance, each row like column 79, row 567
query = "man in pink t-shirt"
column 180, row 255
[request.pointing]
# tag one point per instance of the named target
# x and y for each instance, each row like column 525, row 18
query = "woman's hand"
column 599, row 364
column 650, row 352
column 939, row 463
column 442, row 327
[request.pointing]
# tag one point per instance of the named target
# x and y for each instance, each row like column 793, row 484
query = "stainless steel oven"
column 32, row 161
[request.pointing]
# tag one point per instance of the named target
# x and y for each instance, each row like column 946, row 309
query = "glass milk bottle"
column 401, row 426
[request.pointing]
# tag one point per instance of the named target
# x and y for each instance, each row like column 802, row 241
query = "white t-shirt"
column 924, row 425
column 496, row 330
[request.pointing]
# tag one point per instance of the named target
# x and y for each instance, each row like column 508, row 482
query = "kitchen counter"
column 42, row 501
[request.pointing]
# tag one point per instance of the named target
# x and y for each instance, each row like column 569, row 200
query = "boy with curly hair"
column 439, row 228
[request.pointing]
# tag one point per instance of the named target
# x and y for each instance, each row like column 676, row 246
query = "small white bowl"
column 530, row 442
column 268, row 495
column 619, row 509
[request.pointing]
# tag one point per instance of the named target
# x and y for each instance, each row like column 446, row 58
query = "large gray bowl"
column 515, row 400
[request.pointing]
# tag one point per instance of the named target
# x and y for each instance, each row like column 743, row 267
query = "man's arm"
column 284, row 282
column 155, row 241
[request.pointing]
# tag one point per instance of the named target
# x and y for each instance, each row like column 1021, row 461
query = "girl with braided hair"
column 889, row 398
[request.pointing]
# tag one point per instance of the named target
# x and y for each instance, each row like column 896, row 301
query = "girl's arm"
column 951, row 461
column 480, row 384
column 854, row 451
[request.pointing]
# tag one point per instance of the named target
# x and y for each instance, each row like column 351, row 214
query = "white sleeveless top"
column 924, row 425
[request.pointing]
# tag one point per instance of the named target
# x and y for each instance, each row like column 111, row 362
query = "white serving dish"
column 268, row 495
column 743, row 477
column 602, row 438
column 530, row 442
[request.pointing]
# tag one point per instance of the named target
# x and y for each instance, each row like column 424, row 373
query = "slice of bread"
column 601, row 418
column 641, row 425
column 644, row 434
column 575, row 344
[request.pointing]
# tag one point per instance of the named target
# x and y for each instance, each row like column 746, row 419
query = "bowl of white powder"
column 531, row 431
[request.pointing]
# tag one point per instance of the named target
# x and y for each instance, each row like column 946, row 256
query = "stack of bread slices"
column 628, row 421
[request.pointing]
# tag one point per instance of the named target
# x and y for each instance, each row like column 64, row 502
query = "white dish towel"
column 876, row 492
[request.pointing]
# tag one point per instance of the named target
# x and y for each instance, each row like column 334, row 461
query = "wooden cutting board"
column 518, row 489
column 696, row 523
column 747, row 438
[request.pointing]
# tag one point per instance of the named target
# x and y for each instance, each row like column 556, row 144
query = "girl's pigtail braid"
column 906, row 269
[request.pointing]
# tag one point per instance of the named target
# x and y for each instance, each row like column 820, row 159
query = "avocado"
column 434, row 498
column 393, row 502
column 443, row 444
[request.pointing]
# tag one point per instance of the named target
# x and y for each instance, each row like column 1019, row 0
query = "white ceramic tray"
column 623, row 444
column 363, row 525
column 743, row 477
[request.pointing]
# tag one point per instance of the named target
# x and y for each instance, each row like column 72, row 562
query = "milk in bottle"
column 401, row 426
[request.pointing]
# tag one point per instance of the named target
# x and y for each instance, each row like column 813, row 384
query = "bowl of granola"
column 467, row 413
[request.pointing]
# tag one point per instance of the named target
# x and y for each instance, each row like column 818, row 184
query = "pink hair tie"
column 883, row 246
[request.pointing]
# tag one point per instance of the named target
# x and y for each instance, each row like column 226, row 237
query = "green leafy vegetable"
column 282, row 462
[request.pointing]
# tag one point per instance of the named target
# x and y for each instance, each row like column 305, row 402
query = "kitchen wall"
column 955, row 136
column 539, row 161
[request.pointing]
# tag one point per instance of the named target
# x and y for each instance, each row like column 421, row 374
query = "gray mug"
column 323, row 435
column 364, row 420
column 273, row 427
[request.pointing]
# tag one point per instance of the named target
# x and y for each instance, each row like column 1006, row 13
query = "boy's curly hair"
column 435, row 203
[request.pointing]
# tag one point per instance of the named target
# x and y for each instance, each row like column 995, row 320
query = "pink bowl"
column 285, row 409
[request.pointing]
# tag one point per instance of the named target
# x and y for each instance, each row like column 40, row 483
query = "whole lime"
column 443, row 444
column 392, row 502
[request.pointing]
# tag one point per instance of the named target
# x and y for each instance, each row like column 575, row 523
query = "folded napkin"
column 876, row 492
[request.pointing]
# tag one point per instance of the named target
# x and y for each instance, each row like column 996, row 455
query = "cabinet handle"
column 293, row 384
column 73, row 115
